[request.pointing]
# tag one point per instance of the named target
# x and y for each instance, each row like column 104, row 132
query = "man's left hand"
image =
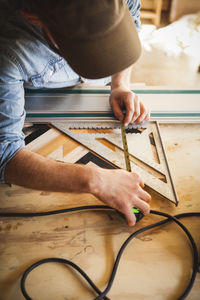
column 123, row 99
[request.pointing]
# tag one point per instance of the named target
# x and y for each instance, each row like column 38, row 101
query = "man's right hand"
column 121, row 190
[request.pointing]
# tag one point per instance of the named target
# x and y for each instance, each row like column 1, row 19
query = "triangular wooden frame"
column 155, row 175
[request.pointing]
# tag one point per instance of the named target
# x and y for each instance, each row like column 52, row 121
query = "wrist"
column 119, row 82
column 77, row 178
column 95, row 183
column 121, row 79
column 118, row 85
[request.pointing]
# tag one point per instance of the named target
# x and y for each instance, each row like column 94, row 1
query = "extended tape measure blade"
column 125, row 146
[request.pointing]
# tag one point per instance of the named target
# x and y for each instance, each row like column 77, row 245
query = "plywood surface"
column 155, row 265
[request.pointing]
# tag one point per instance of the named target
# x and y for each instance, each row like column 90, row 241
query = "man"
column 97, row 39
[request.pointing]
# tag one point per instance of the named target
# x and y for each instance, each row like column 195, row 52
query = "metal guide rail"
column 167, row 105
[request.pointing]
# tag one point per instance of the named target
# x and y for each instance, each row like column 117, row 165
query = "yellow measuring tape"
column 125, row 146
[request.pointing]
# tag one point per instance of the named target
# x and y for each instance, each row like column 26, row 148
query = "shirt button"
column 50, row 72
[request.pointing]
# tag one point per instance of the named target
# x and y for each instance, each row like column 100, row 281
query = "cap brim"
column 105, row 55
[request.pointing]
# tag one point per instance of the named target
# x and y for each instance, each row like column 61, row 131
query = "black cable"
column 58, row 260
column 53, row 212
column 102, row 295
column 169, row 218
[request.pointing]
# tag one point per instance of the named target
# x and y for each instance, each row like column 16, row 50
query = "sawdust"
column 174, row 147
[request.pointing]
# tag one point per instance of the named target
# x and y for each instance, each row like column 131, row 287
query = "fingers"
column 144, row 195
column 144, row 114
column 137, row 179
column 147, row 116
column 141, row 183
column 142, row 205
column 140, row 200
column 133, row 109
column 136, row 112
column 129, row 105
column 118, row 111
column 137, row 109
column 130, row 216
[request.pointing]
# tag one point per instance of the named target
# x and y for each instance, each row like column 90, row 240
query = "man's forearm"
column 121, row 79
column 117, row 188
column 34, row 171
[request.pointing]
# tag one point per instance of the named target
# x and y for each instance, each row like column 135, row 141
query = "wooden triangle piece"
column 147, row 154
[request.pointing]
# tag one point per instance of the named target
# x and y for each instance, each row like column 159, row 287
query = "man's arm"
column 34, row 171
column 121, row 97
column 117, row 188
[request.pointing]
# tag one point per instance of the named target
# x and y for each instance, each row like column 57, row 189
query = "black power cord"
column 102, row 294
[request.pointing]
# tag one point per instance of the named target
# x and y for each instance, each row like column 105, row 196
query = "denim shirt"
column 28, row 60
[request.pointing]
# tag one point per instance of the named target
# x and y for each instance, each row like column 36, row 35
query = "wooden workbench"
column 156, row 265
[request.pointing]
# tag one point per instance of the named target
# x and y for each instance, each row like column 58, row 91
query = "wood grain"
column 155, row 265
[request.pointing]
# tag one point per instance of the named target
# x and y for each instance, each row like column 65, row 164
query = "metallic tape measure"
column 125, row 145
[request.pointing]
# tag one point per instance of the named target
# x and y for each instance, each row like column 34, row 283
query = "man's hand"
column 122, row 98
column 121, row 190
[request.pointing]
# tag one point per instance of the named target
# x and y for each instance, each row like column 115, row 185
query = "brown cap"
column 98, row 38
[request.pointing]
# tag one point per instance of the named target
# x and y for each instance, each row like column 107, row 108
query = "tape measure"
column 138, row 214
column 125, row 146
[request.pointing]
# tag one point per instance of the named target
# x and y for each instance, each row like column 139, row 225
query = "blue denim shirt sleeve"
column 12, row 112
column 134, row 8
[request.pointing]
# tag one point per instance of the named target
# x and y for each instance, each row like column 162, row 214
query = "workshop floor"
column 170, row 56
